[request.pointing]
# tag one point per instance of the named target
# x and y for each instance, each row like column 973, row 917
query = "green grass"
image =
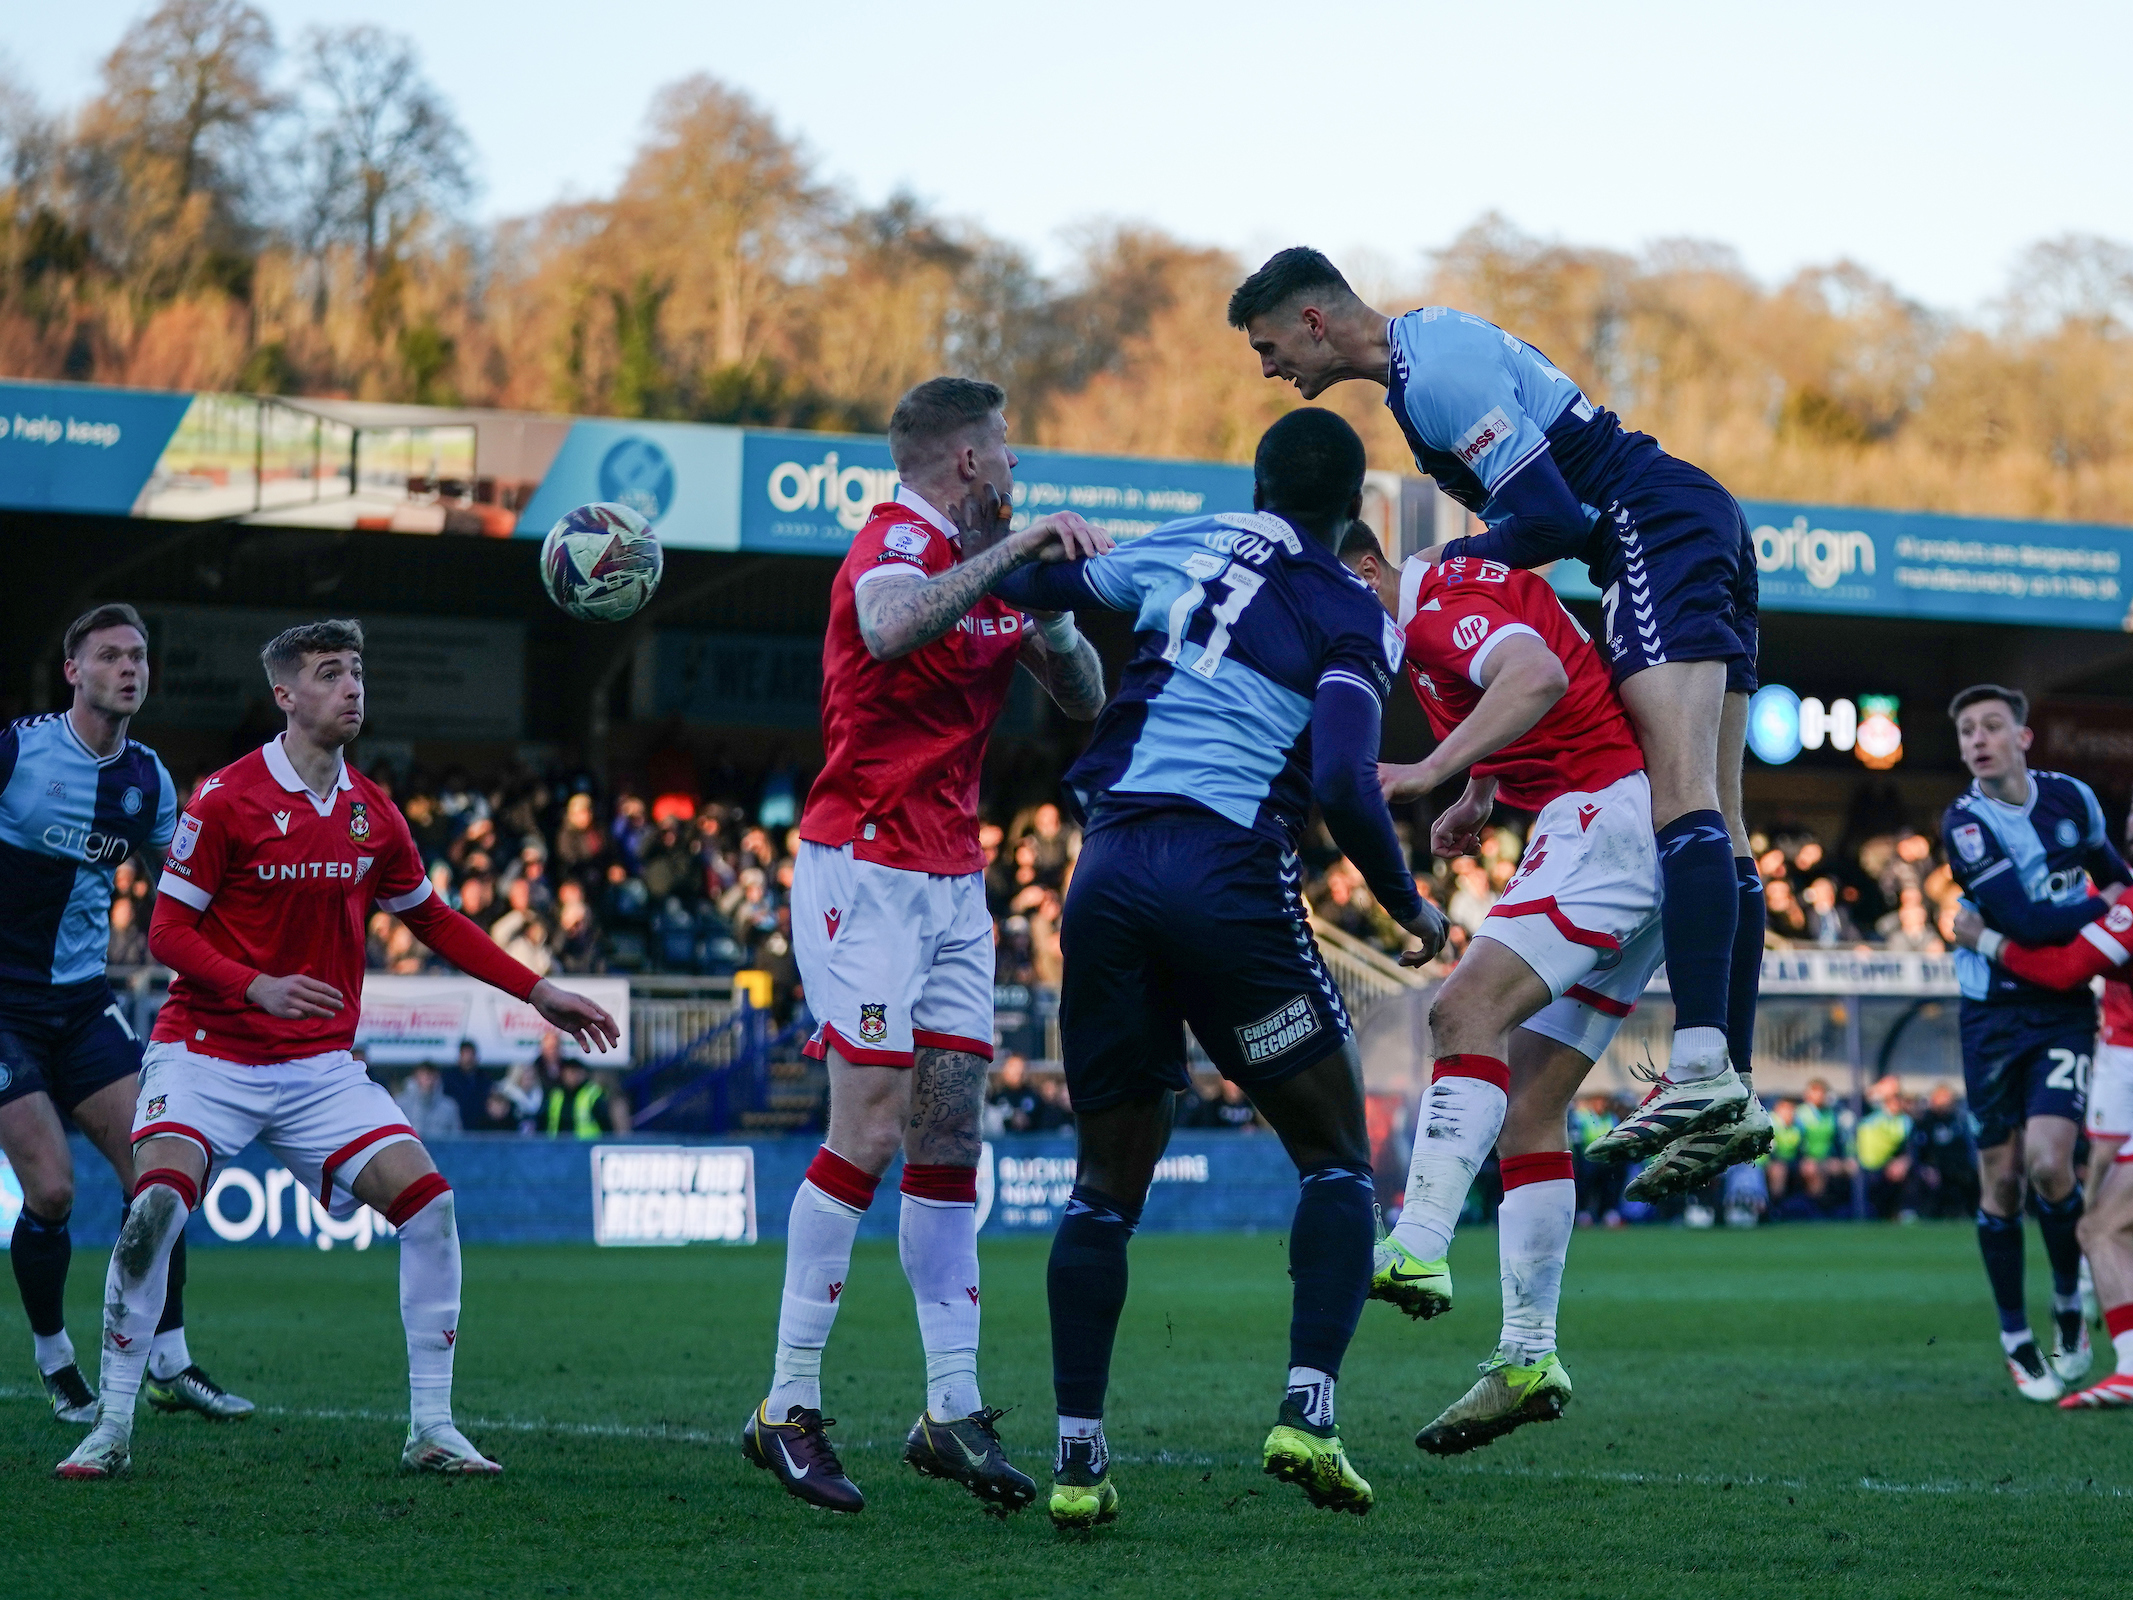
column 1792, row 1412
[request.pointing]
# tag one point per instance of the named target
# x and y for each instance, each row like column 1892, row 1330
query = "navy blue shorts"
column 1181, row 918
column 1678, row 580
column 2023, row 1061
column 64, row 1040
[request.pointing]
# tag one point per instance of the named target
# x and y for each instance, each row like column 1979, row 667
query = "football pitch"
column 1794, row 1411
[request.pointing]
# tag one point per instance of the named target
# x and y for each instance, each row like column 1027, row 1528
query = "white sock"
column 133, row 1296
column 1698, row 1053
column 818, row 1258
column 938, row 1240
column 2122, row 1343
column 1312, row 1391
column 2011, row 1342
column 1533, row 1228
column 1075, row 1429
column 54, row 1350
column 1459, row 1127
column 429, row 1310
column 167, row 1355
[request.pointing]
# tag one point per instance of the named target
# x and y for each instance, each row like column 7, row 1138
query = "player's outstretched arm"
column 1344, row 746
column 2091, row 953
column 2036, row 923
column 1540, row 521
column 1521, row 680
column 899, row 613
column 473, row 952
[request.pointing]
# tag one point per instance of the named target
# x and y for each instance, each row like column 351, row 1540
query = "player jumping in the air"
column 77, row 797
column 890, row 926
column 1554, row 476
column 2100, row 950
column 1256, row 686
column 1519, row 700
column 272, row 873
column 2026, row 846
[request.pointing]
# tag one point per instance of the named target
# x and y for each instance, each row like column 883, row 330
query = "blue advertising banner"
column 682, row 477
column 1848, row 561
column 509, row 1190
column 77, row 447
column 809, row 493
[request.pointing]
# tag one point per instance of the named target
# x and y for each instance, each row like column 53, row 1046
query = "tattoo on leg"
column 949, row 1088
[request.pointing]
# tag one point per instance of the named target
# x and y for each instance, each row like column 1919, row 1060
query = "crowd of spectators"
column 553, row 1094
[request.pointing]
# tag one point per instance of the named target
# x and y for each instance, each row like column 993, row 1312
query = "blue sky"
column 1928, row 141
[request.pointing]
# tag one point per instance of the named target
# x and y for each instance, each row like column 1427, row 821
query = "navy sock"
column 40, row 1250
column 1702, row 907
column 174, row 1296
column 1329, row 1261
column 1086, row 1284
column 1999, row 1241
column 2057, row 1220
column 1745, row 980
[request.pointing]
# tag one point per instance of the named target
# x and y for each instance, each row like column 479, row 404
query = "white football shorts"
column 892, row 960
column 321, row 1115
column 2111, row 1092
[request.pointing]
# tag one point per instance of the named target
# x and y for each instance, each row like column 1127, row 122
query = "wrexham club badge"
column 873, row 1023
column 359, row 821
column 155, row 1107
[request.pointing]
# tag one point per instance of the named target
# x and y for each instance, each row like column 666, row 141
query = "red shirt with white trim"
column 1454, row 615
column 904, row 740
column 284, row 880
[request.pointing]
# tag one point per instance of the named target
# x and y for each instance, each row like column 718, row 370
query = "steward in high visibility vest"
column 577, row 1107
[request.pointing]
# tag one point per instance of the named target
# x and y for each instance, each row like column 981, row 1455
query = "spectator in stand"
column 1599, row 1183
column 517, row 1098
column 469, row 1088
column 1907, row 929
column 1014, row 954
column 580, row 848
column 670, row 865
column 999, row 869
column 1047, row 956
column 1054, row 1110
column 775, row 956
column 1943, row 1158
column 1234, row 1111
column 1055, row 846
column 477, row 900
column 128, row 946
column 428, row 1109
column 1828, row 923
column 1471, row 895
column 1781, row 1168
column 1823, row 1162
column 1882, row 1143
column 1785, row 923
column 1015, row 1097
column 577, row 931
column 629, row 833
column 578, row 1106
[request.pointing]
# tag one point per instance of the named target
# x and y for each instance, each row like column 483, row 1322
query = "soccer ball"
column 601, row 563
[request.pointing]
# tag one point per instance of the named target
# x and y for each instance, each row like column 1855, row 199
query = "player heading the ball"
column 272, row 873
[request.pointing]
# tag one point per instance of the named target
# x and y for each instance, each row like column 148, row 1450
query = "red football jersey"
column 2117, row 1011
column 1454, row 614
column 284, row 882
column 904, row 740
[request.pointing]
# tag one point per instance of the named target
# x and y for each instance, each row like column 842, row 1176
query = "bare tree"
column 382, row 151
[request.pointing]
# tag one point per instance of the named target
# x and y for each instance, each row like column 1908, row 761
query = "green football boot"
column 1082, row 1492
column 1422, row 1289
column 1312, row 1458
column 1510, row 1393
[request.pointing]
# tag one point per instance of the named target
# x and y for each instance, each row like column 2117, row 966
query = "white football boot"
column 105, row 1451
column 1674, row 1111
column 443, row 1448
column 2036, row 1380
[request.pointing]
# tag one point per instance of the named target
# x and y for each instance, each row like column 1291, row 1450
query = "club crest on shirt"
column 1970, row 842
column 358, row 821
column 2069, row 835
column 874, row 1023
column 155, row 1106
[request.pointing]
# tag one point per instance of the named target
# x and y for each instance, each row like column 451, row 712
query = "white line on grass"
column 663, row 1432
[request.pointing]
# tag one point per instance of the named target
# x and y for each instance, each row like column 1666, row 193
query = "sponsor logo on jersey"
column 1011, row 622
column 2119, row 919
column 188, row 835
column 1467, row 632
column 281, row 821
column 1970, row 842
column 286, row 871
column 130, row 801
column 359, row 822
column 1279, row 1031
column 873, row 1023
column 57, row 790
column 2069, row 835
column 155, row 1106
column 1483, row 437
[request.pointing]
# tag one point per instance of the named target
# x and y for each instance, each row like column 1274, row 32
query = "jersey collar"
column 911, row 500
column 2022, row 810
column 284, row 772
column 66, row 721
column 1414, row 572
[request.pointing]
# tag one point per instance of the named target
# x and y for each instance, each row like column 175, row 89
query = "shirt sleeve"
column 166, row 823
column 402, row 884
column 1056, row 586
column 1345, row 719
column 2098, row 950
column 199, row 854
column 1469, row 404
column 1533, row 518
column 1459, row 630
column 905, row 545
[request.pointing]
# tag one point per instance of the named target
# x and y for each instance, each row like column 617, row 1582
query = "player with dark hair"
column 77, row 797
column 273, row 869
column 2026, row 847
column 1519, row 700
column 890, row 925
column 1255, row 687
column 1513, row 439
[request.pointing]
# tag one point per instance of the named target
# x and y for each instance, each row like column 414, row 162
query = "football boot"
column 967, row 1450
column 797, row 1452
column 1313, row 1459
column 1511, row 1392
column 105, row 1452
column 72, row 1399
column 1082, row 1493
column 2025, row 1364
column 1688, row 1164
column 2072, row 1355
column 443, row 1448
column 194, row 1390
column 1673, row 1111
column 1422, row 1289
column 2113, row 1392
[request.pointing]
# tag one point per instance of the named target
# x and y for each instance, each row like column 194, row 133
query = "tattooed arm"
column 899, row 614
column 1074, row 678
